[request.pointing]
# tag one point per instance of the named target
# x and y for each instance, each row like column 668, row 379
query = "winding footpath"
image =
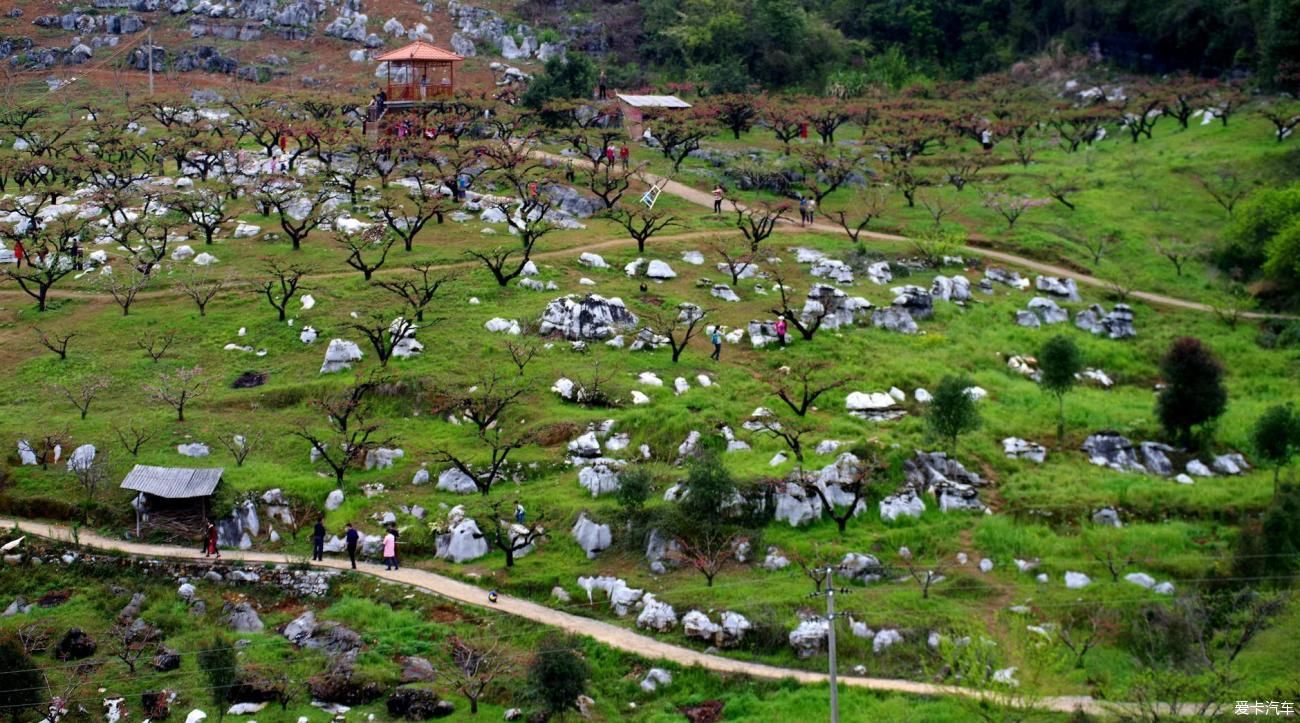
column 705, row 199
column 603, row 632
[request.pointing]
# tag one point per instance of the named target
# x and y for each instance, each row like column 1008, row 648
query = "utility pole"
column 150, row 41
column 830, row 639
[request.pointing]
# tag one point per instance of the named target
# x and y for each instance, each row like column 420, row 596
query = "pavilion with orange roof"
column 419, row 73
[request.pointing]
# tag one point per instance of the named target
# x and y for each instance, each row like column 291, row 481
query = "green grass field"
column 1172, row 532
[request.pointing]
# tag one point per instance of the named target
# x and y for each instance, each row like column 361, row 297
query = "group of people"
column 351, row 541
column 378, row 102
column 807, row 210
column 622, row 154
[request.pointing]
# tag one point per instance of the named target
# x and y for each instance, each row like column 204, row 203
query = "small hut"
column 419, row 73
column 633, row 108
column 173, row 498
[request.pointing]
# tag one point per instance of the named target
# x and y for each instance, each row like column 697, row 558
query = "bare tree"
column 417, row 294
column 125, row 287
column 129, row 643
column 132, row 437
column 384, row 332
column 177, row 389
column 499, row 448
column 474, row 668
column 815, row 567
column 1178, row 250
column 865, row 207
column 937, row 206
column 52, row 251
column 351, row 433
column 241, row 444
column 678, row 328
column 206, row 208
column 642, row 223
column 925, row 576
column 55, row 342
column 408, row 213
column 283, row 285
column 707, row 551
column 374, row 238
column 488, row 399
column 85, row 392
column 1010, row 207
column 807, row 325
column 48, row 444
column 736, row 263
column 521, row 353
column 800, row 388
column 758, row 222
column 91, row 476
column 300, row 513
column 1061, row 187
column 156, row 344
column 202, row 290
column 512, row 537
column 1081, row 630
column 1099, row 244
column 790, row 432
column 856, row 487
column 1225, row 187
column 964, row 168
column 299, row 213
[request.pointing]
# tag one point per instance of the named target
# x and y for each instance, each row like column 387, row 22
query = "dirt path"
column 607, row 633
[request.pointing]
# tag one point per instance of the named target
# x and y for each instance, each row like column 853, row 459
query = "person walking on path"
column 600, row 85
column 397, row 561
column 20, row 251
column 390, row 550
column 717, row 199
column 211, row 548
column 609, row 155
column 803, row 211
column 781, row 329
column 716, row 338
column 624, row 154
column 318, row 540
column 811, row 210
column 519, row 513
column 351, row 537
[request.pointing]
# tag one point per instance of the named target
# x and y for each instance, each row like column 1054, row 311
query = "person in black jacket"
column 318, row 540
column 352, row 537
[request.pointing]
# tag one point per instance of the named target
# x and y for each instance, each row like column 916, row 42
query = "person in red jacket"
column 19, row 252
column 212, row 541
column 624, row 154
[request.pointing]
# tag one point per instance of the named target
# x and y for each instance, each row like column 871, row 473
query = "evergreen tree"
column 1194, row 394
column 952, row 411
column 1276, row 438
column 557, row 675
column 20, row 680
column 1058, row 363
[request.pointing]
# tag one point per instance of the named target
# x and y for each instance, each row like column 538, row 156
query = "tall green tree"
column 1194, row 394
column 20, row 680
column 952, row 411
column 1276, row 438
column 1058, row 362
column 557, row 675
column 220, row 668
column 562, row 78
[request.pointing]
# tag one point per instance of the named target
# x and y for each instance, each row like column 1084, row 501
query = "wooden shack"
column 633, row 108
column 172, row 499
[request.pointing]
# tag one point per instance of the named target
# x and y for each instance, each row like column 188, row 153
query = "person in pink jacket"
column 390, row 550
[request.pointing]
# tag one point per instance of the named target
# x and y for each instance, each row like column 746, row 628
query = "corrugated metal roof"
column 173, row 482
column 653, row 101
column 419, row 50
